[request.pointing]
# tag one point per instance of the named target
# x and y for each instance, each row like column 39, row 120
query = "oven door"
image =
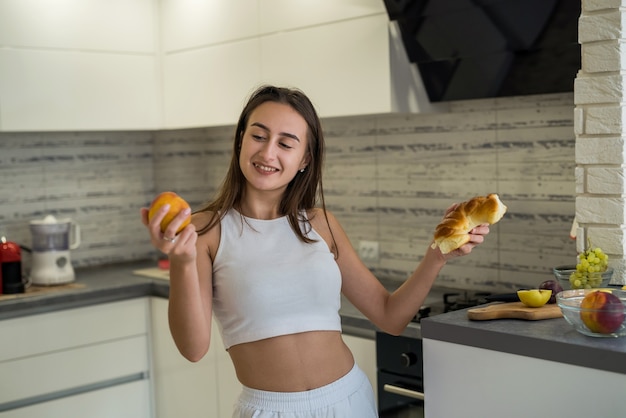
column 400, row 376
column 399, row 397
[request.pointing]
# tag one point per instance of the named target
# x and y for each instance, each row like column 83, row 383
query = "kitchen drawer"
column 53, row 374
column 56, row 331
column 130, row 400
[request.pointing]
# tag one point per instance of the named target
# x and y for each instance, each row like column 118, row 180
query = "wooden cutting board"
column 514, row 310
column 154, row 273
column 34, row 290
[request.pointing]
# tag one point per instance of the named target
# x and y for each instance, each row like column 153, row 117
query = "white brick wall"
column 600, row 127
column 594, row 5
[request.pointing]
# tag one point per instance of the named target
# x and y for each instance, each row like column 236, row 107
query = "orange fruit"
column 176, row 203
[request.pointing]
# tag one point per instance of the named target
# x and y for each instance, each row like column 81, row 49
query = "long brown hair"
column 303, row 191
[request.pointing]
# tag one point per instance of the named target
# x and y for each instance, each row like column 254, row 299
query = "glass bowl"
column 569, row 301
column 595, row 281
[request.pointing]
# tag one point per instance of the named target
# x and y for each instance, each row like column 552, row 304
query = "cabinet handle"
column 403, row 392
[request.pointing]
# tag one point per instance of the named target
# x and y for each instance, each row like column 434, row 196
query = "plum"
column 551, row 285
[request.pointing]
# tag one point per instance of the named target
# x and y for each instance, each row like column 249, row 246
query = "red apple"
column 605, row 314
column 176, row 203
column 551, row 285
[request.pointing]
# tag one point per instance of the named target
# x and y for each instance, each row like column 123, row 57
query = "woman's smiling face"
column 274, row 146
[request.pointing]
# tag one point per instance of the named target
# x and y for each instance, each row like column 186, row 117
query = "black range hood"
column 469, row 49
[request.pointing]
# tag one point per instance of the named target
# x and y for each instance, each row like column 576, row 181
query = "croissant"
column 453, row 231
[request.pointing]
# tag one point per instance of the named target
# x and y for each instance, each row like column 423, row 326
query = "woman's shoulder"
column 209, row 230
column 202, row 218
column 206, row 221
column 322, row 220
column 318, row 213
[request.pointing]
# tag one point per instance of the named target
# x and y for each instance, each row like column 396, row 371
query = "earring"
column 302, row 170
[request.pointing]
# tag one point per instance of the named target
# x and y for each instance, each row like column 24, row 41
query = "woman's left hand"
column 477, row 237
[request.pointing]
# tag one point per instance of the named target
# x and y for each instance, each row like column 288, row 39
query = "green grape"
column 591, row 264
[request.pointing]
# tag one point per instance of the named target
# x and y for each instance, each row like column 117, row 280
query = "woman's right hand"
column 179, row 247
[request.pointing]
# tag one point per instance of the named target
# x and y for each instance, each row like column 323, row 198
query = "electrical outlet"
column 368, row 250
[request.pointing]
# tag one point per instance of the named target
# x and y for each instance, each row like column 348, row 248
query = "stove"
column 399, row 359
column 441, row 301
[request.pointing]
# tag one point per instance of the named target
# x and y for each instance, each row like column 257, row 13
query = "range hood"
column 469, row 49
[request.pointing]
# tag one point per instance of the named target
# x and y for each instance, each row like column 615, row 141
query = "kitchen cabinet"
column 208, row 86
column 364, row 352
column 127, row 72
column 43, row 90
column 193, row 24
column 466, row 381
column 68, row 363
column 344, row 67
column 116, row 401
column 285, row 15
column 340, row 53
column 190, row 24
column 79, row 65
column 207, row 388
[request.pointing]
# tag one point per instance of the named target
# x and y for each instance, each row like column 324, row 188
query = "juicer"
column 50, row 258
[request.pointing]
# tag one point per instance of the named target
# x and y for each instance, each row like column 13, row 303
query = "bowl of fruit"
column 595, row 312
column 592, row 271
column 571, row 278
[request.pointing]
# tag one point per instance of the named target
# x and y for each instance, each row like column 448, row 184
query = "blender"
column 50, row 258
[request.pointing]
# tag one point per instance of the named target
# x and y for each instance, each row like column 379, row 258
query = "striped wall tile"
column 388, row 178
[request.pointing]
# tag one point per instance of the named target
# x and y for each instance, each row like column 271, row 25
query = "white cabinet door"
column 209, row 86
column 282, row 15
column 228, row 387
column 61, row 330
column 88, row 25
column 52, row 90
column 464, row 381
column 63, row 364
column 52, row 374
column 79, row 65
column 207, row 388
column 192, row 24
column 130, row 400
column 364, row 352
column 343, row 67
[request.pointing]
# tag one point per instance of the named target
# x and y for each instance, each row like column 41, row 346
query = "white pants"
column 349, row 397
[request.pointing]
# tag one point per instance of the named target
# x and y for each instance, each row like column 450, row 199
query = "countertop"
column 111, row 283
column 548, row 339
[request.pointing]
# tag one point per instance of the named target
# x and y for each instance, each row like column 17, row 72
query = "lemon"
column 534, row 298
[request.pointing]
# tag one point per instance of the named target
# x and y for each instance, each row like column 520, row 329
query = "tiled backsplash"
column 388, row 178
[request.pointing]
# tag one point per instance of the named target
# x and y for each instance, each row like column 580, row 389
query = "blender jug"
column 52, row 241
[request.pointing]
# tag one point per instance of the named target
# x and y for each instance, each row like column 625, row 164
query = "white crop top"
column 266, row 282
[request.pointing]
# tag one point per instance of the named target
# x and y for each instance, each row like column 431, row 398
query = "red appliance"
column 10, row 268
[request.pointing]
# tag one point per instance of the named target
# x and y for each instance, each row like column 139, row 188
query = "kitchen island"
column 518, row 368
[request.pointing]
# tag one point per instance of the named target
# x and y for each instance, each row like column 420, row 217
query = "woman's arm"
column 190, row 294
column 390, row 312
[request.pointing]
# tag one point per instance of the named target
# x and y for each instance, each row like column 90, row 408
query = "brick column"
column 600, row 128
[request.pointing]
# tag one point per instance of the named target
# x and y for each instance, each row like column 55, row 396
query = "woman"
column 271, row 266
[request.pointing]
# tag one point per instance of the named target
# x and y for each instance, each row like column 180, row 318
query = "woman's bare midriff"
column 292, row 363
